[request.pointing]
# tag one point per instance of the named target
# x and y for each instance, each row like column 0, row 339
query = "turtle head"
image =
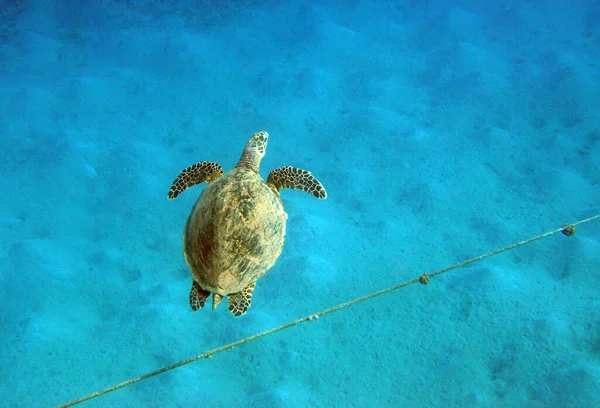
column 254, row 151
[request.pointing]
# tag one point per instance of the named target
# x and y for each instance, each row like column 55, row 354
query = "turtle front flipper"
column 240, row 302
column 198, row 296
column 298, row 179
column 195, row 174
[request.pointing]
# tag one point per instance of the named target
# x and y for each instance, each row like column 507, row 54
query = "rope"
column 566, row 229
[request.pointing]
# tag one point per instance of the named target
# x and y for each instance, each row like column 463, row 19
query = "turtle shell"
column 235, row 232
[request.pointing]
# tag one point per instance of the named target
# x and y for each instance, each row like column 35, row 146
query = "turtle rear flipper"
column 198, row 296
column 240, row 302
column 195, row 174
column 298, row 179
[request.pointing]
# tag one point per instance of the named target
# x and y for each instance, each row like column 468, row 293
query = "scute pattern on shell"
column 234, row 233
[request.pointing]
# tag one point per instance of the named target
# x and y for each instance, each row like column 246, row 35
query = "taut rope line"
column 567, row 229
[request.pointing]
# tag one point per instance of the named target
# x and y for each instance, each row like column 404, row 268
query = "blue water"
column 440, row 129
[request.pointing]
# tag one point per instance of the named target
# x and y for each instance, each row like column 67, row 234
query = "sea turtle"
column 236, row 229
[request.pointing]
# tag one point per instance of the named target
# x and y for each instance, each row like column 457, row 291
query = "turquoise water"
column 441, row 130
